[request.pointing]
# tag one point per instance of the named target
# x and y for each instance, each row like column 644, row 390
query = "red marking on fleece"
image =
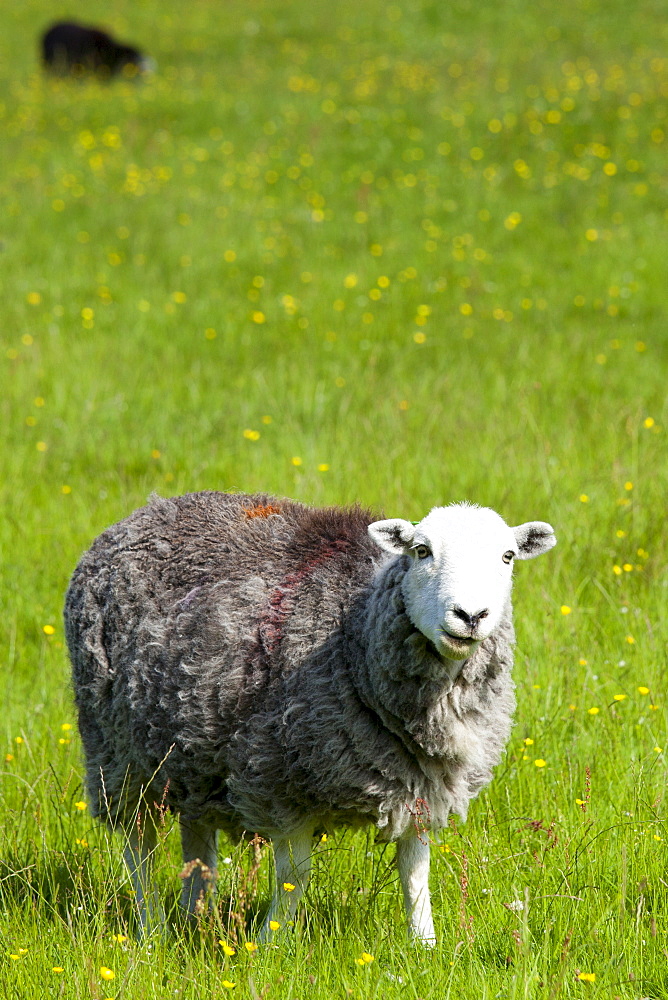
column 261, row 511
column 283, row 599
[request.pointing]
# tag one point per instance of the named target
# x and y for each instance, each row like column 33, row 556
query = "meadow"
column 399, row 253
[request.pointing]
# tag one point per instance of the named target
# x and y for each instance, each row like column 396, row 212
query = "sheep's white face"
column 459, row 580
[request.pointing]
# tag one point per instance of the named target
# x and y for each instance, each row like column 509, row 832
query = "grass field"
column 400, row 253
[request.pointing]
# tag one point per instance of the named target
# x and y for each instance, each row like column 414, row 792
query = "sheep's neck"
column 399, row 674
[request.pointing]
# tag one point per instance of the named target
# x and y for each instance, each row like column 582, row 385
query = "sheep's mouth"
column 457, row 647
column 460, row 640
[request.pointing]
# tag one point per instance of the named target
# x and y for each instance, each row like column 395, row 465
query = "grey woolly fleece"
column 249, row 661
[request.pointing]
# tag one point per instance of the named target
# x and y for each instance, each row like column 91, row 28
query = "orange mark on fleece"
column 260, row 511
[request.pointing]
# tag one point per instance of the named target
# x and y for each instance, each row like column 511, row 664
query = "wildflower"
column 228, row 985
column 580, row 802
column 296, row 460
column 516, row 906
column 648, row 422
column 81, row 806
column 419, row 337
column 643, row 690
column 540, row 762
column 119, row 938
column 18, row 740
column 593, row 710
column 528, row 742
column 57, row 968
column 251, row 435
column 289, row 887
column 42, row 446
column 9, row 757
column 628, row 486
column 630, row 640
column 33, row 298
column 587, row 977
column 619, row 697
column 48, row 629
column 227, row 948
column 565, row 610
column 323, row 467
column 584, row 498
column 274, row 925
column 107, row 973
column 582, row 662
column 364, row 959
column 658, row 749
column 350, row 281
column 617, row 570
column 250, row 947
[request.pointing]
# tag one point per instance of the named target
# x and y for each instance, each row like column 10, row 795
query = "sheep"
column 73, row 48
column 261, row 666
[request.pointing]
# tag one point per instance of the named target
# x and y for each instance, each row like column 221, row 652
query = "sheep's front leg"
column 413, row 865
column 139, row 857
column 292, row 861
column 200, row 861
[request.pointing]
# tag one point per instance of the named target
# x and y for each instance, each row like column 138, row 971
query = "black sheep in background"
column 72, row 48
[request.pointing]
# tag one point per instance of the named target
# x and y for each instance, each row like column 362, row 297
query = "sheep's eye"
column 508, row 556
column 422, row 551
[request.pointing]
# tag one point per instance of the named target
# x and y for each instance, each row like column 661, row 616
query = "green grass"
column 421, row 245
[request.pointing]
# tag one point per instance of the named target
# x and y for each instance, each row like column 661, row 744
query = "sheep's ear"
column 534, row 538
column 394, row 535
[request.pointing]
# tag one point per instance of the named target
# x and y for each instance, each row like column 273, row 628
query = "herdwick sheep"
column 74, row 48
column 261, row 666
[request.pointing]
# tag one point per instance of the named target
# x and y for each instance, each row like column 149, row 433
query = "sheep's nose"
column 470, row 620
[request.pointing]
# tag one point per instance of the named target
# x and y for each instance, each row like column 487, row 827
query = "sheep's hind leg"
column 292, row 861
column 200, row 860
column 413, row 865
column 139, row 855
